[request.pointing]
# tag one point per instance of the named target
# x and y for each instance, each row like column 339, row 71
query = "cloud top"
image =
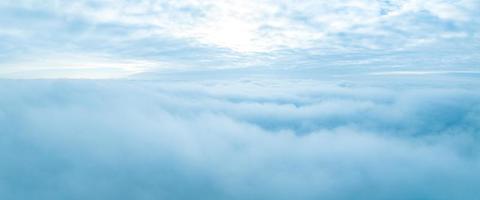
column 244, row 139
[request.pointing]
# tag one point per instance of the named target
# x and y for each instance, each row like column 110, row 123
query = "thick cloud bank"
column 365, row 138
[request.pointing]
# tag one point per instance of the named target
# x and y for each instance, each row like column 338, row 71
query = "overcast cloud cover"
column 118, row 38
column 147, row 99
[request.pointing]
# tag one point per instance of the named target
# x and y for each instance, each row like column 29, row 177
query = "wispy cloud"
column 226, row 34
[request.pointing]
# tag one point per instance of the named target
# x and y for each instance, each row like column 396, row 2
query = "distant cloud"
column 227, row 34
column 367, row 138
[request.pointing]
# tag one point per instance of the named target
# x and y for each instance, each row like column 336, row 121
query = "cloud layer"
column 266, row 25
column 372, row 137
column 116, row 38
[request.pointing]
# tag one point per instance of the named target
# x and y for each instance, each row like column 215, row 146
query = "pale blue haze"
column 247, row 99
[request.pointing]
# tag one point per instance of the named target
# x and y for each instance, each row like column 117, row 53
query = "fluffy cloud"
column 368, row 137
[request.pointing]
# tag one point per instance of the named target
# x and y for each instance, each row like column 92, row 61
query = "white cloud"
column 192, row 34
column 373, row 138
column 261, row 26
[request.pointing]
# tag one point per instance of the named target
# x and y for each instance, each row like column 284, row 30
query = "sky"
column 235, row 100
column 121, row 38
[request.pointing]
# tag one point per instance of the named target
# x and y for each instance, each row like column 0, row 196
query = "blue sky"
column 119, row 38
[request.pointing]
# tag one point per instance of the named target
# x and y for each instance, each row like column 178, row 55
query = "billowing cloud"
column 381, row 136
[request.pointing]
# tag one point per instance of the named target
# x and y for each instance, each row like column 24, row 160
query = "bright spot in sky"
column 232, row 34
column 226, row 34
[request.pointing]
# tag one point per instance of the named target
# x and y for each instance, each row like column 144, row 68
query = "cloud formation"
column 344, row 99
column 126, row 37
column 247, row 26
column 370, row 137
